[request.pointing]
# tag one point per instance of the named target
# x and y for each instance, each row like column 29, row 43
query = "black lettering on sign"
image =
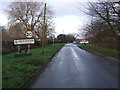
column 29, row 34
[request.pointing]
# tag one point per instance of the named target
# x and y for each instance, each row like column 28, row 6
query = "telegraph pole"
column 44, row 29
column 63, row 31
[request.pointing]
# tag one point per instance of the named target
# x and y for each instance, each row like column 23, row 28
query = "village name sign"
column 28, row 34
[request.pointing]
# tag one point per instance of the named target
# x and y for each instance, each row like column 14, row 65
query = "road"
column 73, row 67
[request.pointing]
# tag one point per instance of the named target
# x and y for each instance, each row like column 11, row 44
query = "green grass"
column 18, row 70
column 104, row 51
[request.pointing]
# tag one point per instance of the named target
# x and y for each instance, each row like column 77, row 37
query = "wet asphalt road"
column 73, row 67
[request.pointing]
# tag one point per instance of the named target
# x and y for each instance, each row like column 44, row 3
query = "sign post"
column 24, row 41
column 53, row 37
column 18, row 48
column 53, row 42
column 29, row 34
column 28, row 47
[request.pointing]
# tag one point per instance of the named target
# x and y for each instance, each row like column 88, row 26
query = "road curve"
column 73, row 67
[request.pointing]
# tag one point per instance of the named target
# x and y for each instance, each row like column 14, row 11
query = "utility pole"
column 44, row 29
column 63, row 31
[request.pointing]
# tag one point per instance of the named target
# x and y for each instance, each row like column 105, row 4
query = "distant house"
column 82, row 41
column 85, row 41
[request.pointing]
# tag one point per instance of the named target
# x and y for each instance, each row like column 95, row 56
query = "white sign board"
column 84, row 42
column 24, row 41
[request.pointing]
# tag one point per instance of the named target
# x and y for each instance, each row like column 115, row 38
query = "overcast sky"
column 68, row 18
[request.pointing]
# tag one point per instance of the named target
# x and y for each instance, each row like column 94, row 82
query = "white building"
column 85, row 41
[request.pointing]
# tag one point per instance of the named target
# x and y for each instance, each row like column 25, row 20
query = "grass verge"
column 104, row 51
column 16, row 71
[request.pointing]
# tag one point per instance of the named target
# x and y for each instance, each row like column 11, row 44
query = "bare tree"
column 105, row 23
column 17, row 31
column 29, row 16
column 106, row 11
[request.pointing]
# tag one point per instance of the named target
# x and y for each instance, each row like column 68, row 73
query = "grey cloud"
column 66, row 8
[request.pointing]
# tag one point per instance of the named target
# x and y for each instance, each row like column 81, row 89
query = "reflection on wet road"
column 73, row 67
